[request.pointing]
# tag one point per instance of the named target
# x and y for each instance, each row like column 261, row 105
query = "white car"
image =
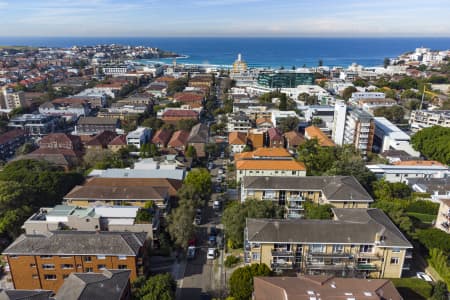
column 211, row 254
column 424, row 276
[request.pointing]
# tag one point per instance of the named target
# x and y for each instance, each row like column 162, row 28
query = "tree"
column 433, row 238
column 153, row 123
column 317, row 211
column 433, row 143
column 186, row 124
column 177, row 85
column 360, row 82
column 235, row 214
column 26, row 148
column 385, row 190
column 386, row 62
column 316, row 121
column 241, row 281
column 158, row 287
column 348, row 91
column 180, row 225
column 283, row 102
column 440, row 291
column 200, row 180
column 316, row 158
column 395, row 113
column 191, row 152
column 307, row 98
column 288, row 124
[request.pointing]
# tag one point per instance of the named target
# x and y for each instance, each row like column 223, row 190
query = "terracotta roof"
column 162, row 136
column 314, row 132
column 12, row 134
column 274, row 134
column 69, row 101
column 180, row 113
column 263, row 120
column 179, row 139
column 419, row 163
column 306, row 287
column 294, row 138
column 188, row 97
column 59, row 138
column 173, row 185
column 271, row 152
column 283, row 165
column 119, row 140
column 237, row 138
column 102, row 139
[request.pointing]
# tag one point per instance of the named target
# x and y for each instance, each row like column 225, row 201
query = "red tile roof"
column 10, row 135
column 119, row 140
column 162, row 136
column 179, row 139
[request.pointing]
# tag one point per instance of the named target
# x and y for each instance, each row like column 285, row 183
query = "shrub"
column 231, row 261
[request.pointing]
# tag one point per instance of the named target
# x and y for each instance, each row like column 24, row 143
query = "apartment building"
column 355, row 243
column 10, row 141
column 95, row 125
column 426, row 118
column 307, row 287
column 44, row 261
column 313, row 132
column 359, row 130
column 239, row 122
column 37, row 124
column 403, row 170
column 10, row 99
column 387, row 136
column 266, row 167
column 139, row 137
column 198, row 138
column 443, row 217
column 103, row 218
column 292, row 192
column 237, row 141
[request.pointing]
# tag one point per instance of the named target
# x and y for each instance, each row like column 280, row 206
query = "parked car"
column 212, row 231
column 219, row 179
column 212, row 253
column 212, row 241
column 217, row 205
column 190, row 252
column 424, row 276
column 218, row 189
column 198, row 220
column 210, row 165
column 220, row 171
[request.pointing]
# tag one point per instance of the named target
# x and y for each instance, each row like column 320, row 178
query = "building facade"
column 424, row 118
column 356, row 243
column 285, row 79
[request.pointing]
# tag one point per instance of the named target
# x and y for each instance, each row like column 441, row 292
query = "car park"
column 212, row 253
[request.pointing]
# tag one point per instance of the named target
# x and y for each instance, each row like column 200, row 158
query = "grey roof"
column 97, row 121
column 177, row 174
column 199, row 134
column 109, row 285
column 334, row 188
column 78, row 243
column 441, row 185
column 25, row 294
column 353, row 226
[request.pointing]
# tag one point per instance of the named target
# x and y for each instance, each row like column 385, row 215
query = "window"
column 87, row 220
column 397, row 175
column 123, row 267
column 395, row 250
column 87, row 258
column 255, row 256
column 294, row 172
column 34, row 276
column 122, row 257
column 317, row 248
column 66, row 266
column 48, row 266
column 32, row 265
column 365, row 248
column 65, row 256
column 13, row 256
column 338, row 248
column 79, row 266
column 101, row 257
column 46, row 256
column 255, row 245
column 50, row 277
column 101, row 267
column 89, row 270
column 395, row 260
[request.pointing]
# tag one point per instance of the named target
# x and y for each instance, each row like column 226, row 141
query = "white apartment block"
column 401, row 173
column 10, row 99
column 424, row 118
column 139, row 137
column 390, row 137
column 340, row 115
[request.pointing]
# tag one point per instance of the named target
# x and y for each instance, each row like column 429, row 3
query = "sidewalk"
column 177, row 272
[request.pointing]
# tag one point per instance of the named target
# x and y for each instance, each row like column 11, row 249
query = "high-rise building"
column 285, row 78
column 340, row 114
column 239, row 66
column 359, row 130
column 10, row 99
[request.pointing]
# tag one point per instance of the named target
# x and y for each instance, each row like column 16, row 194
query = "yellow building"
column 239, row 66
column 357, row 242
column 292, row 192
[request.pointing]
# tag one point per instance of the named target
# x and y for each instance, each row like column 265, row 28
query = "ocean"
column 260, row 52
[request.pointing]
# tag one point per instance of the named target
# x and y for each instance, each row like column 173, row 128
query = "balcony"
column 295, row 198
column 368, row 255
column 331, row 255
column 282, row 265
column 282, row 253
column 366, row 267
column 293, row 215
column 311, row 266
column 294, row 205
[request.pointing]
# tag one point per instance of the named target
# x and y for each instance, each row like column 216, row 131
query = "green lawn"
column 424, row 218
column 413, row 288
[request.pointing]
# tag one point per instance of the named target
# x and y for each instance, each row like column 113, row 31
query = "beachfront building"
column 285, row 78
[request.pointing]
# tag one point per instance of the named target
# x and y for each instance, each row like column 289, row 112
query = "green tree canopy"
column 348, row 91
column 395, row 113
column 200, row 180
column 241, row 281
column 434, row 143
column 319, row 212
column 180, row 224
column 158, row 287
column 177, row 85
column 235, row 214
column 288, row 124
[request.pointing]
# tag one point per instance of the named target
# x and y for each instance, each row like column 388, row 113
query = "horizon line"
column 231, row 36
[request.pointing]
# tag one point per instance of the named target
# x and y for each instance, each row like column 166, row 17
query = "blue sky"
column 349, row 18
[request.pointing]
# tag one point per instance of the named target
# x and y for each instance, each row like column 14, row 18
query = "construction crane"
column 423, row 95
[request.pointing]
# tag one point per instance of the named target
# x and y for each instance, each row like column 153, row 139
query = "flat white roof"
column 116, row 211
column 390, row 129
